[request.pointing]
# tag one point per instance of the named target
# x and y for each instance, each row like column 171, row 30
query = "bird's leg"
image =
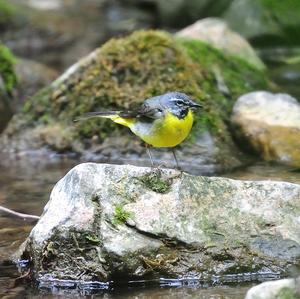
column 149, row 154
column 175, row 158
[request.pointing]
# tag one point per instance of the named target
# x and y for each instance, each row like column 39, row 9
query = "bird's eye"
column 180, row 103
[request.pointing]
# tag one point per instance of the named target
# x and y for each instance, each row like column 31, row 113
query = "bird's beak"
column 194, row 105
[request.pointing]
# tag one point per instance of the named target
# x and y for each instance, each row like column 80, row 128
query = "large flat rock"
column 106, row 222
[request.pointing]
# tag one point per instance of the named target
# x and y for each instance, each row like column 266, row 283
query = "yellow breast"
column 166, row 132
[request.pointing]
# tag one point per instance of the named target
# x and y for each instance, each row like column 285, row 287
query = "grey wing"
column 151, row 108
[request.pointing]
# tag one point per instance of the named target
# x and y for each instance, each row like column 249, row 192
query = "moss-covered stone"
column 124, row 72
column 7, row 72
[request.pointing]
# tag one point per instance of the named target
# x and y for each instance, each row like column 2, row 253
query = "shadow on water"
column 232, row 287
column 25, row 185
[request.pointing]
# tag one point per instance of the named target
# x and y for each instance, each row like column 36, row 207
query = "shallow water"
column 25, row 186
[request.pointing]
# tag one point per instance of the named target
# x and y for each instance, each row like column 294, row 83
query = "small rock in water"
column 269, row 124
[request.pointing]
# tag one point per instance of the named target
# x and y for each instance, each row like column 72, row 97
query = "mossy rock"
column 125, row 71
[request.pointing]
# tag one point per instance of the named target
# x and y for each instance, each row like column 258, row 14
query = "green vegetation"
column 7, row 61
column 155, row 182
column 7, row 12
column 120, row 215
column 284, row 14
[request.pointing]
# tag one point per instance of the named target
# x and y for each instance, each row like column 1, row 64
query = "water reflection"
column 267, row 171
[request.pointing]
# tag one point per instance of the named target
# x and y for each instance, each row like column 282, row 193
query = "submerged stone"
column 103, row 223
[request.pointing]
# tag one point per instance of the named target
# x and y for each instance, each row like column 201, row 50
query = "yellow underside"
column 166, row 132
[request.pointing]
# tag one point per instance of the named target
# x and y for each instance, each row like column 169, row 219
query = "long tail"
column 115, row 116
column 106, row 114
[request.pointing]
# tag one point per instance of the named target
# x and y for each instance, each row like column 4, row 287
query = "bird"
column 162, row 121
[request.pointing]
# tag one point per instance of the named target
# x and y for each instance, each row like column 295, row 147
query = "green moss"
column 287, row 293
column 155, row 182
column 39, row 108
column 7, row 72
column 120, row 215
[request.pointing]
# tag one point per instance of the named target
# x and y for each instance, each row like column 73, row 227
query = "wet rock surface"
column 269, row 124
column 104, row 222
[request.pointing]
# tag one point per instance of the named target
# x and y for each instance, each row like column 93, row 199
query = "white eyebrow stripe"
column 177, row 99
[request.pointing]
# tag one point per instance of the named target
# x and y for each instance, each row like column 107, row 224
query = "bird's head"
column 178, row 103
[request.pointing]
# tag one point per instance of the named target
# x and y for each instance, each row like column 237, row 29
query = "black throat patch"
column 180, row 112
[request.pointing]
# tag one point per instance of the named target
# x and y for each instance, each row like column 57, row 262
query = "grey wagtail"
column 162, row 121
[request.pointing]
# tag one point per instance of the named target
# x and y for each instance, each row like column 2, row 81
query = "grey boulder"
column 269, row 124
column 108, row 222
